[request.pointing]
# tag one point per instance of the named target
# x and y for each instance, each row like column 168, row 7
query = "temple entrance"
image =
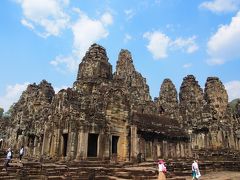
column 92, row 145
column 65, row 140
column 115, row 144
column 31, row 139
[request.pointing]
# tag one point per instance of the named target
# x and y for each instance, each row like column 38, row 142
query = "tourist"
column 21, row 152
column 162, row 170
column 195, row 170
column 9, row 157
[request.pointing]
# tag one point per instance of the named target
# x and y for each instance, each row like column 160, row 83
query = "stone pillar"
column 165, row 149
column 134, row 142
column 220, row 138
column 56, row 143
column 123, row 146
column 231, row 140
column 101, row 145
column 35, row 146
column 46, row 143
column 178, row 150
column 182, row 150
column 82, row 145
column 158, row 150
column 71, row 145
column 155, row 156
column 106, row 153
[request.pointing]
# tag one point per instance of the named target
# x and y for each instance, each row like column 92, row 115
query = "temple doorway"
column 115, row 144
column 65, row 140
column 92, row 145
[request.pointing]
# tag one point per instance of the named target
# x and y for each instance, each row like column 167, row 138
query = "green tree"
column 9, row 112
column 1, row 111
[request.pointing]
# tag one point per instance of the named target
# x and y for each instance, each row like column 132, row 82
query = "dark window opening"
column 65, row 140
column 114, row 144
column 92, row 145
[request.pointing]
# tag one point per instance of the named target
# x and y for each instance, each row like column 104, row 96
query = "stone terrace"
column 103, row 170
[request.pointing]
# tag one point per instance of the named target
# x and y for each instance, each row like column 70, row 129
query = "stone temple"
column 107, row 116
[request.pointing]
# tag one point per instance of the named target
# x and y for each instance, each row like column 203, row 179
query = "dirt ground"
column 222, row 175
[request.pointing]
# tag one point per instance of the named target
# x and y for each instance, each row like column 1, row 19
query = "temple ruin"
column 111, row 116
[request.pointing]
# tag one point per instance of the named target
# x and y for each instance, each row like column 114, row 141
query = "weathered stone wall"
column 29, row 115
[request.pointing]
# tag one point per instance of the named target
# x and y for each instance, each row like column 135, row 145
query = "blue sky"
column 46, row 39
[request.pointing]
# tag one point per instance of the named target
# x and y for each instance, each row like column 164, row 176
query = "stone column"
column 46, row 143
column 178, row 150
column 134, row 142
column 182, row 150
column 231, row 139
column 56, row 143
column 106, row 153
column 101, row 145
column 82, row 145
column 35, row 146
column 71, row 145
column 165, row 149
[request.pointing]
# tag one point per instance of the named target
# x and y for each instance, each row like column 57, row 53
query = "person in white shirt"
column 162, row 170
column 9, row 157
column 195, row 170
column 21, row 153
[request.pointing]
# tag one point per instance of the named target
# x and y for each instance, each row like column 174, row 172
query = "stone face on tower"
column 191, row 101
column 216, row 96
column 133, row 82
column 168, row 100
column 95, row 64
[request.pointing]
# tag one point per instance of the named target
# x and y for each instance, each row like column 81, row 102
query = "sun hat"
column 161, row 161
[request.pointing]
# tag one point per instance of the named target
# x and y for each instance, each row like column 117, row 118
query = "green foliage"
column 9, row 112
column 233, row 104
column 1, row 111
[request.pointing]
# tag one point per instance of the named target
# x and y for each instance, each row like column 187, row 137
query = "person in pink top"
column 162, row 170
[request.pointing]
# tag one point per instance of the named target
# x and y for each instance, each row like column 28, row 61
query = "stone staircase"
column 104, row 170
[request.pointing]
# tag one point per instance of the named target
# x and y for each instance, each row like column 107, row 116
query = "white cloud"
column 86, row 31
column 47, row 15
column 218, row 6
column 70, row 62
column 187, row 65
column 224, row 44
column 12, row 94
column 160, row 43
column 107, row 19
column 57, row 89
column 27, row 24
column 127, row 38
column 129, row 13
column 188, row 45
column 233, row 89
